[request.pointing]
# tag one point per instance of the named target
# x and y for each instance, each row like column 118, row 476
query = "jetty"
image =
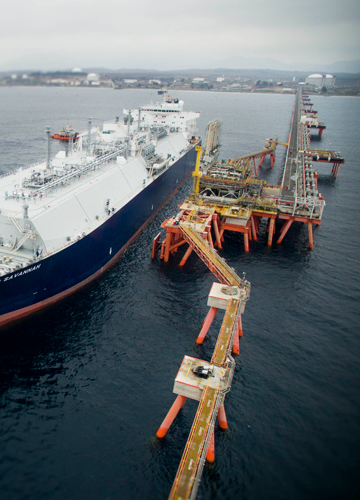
column 228, row 196
column 239, row 201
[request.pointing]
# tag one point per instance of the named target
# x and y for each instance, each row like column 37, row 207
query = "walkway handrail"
column 210, row 257
column 185, row 476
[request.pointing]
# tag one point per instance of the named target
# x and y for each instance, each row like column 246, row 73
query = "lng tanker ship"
column 65, row 220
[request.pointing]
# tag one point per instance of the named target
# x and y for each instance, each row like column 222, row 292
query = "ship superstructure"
column 97, row 194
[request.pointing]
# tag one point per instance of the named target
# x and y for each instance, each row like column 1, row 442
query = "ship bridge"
column 169, row 114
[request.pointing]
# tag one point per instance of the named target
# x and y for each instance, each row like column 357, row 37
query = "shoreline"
column 176, row 89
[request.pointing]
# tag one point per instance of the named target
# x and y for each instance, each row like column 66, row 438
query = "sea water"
column 85, row 385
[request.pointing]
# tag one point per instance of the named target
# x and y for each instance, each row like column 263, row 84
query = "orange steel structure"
column 333, row 157
column 213, row 230
column 227, row 197
column 320, row 127
column 307, row 109
column 219, row 358
column 210, row 392
column 268, row 150
column 194, row 227
column 170, row 417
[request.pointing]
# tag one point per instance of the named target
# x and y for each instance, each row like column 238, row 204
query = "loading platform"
column 268, row 150
column 334, row 157
column 229, row 197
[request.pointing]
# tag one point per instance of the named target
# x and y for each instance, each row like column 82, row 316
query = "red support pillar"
column 162, row 251
column 210, row 239
column 155, row 245
column 255, row 170
column 170, row 417
column 222, row 234
column 253, row 227
column 310, row 232
column 272, row 158
column 210, row 454
column 175, row 242
column 316, row 176
column 240, row 326
column 175, row 246
column 284, row 230
column 246, row 241
column 236, row 345
column 186, row 256
column 222, row 418
column 271, row 231
column 216, row 231
column 261, row 160
column 206, row 325
column 167, row 246
column 335, row 169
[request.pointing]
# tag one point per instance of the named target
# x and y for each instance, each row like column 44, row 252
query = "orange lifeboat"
column 66, row 134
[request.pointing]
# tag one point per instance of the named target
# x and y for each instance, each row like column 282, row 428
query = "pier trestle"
column 207, row 383
column 227, row 196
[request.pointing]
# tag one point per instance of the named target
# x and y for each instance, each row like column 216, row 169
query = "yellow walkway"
column 194, row 455
column 214, row 262
column 195, row 451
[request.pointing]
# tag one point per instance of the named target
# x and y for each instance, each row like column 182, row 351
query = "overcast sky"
column 166, row 34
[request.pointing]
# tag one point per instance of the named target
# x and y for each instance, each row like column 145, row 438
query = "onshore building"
column 93, row 77
column 319, row 80
column 329, row 81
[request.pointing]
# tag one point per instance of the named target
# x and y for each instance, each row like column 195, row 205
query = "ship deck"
column 38, row 218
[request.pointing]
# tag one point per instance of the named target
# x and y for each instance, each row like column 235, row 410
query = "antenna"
column 48, row 147
column 89, row 137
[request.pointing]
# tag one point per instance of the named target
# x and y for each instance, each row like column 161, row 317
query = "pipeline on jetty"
column 240, row 202
column 228, row 196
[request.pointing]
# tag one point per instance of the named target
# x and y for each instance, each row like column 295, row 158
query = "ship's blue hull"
column 50, row 279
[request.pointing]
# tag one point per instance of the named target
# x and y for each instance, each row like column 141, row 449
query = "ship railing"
column 32, row 165
column 158, row 133
column 6, row 174
column 79, row 171
column 26, row 234
column 310, row 207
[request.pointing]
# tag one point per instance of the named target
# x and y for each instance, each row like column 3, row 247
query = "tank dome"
column 93, row 77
